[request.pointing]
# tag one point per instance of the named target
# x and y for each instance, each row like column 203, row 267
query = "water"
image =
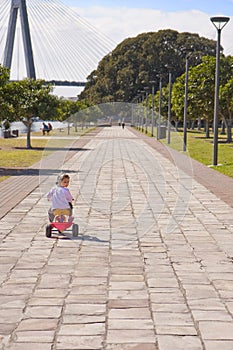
column 36, row 126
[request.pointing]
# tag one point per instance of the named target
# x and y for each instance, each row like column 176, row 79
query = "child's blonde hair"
column 61, row 177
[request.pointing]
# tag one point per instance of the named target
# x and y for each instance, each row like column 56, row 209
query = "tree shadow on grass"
column 4, row 171
column 28, row 171
column 53, row 149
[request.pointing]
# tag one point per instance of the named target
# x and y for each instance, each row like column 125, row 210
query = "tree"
column 136, row 61
column 5, row 110
column 28, row 99
column 226, row 106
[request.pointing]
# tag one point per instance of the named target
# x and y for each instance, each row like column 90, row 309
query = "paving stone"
column 216, row 330
column 86, row 299
column 126, row 303
column 217, row 345
column 82, row 329
column 176, row 330
column 37, row 324
column 132, row 346
column 200, row 315
column 171, row 342
column 173, row 318
column 43, row 311
column 85, row 309
column 207, row 304
column 7, row 328
column 169, row 307
column 34, row 336
column 162, row 282
column 7, row 302
column 127, row 285
column 45, row 302
column 130, row 324
column 79, row 342
column 127, row 294
column 84, row 319
column 129, row 336
column 10, row 315
column 29, row 346
column 50, row 293
column 139, row 313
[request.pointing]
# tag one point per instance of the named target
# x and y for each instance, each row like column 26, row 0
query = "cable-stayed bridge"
column 65, row 47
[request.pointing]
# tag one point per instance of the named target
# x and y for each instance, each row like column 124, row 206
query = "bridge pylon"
column 16, row 6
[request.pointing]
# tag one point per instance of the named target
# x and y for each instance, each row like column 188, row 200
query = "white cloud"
column 120, row 23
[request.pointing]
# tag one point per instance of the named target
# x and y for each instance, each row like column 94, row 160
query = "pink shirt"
column 60, row 197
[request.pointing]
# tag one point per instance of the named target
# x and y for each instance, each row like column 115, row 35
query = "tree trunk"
column 199, row 123
column 207, row 129
column 229, row 131
column 193, row 124
column 223, row 127
column 29, row 136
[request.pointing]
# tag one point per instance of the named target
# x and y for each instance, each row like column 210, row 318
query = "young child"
column 61, row 199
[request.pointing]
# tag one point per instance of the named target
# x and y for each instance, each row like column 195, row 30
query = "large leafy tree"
column 226, row 106
column 136, row 61
column 5, row 110
column 28, row 99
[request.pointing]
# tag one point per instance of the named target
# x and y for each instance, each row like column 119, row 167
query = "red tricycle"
column 61, row 221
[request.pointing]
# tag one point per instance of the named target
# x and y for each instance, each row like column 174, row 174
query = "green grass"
column 200, row 148
column 14, row 155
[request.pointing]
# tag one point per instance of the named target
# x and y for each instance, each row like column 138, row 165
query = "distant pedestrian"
column 123, row 125
column 45, row 128
column 50, row 127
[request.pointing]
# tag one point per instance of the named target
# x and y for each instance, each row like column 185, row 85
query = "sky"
column 122, row 19
column 216, row 6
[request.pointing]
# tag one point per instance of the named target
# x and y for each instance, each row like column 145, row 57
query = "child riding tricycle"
column 60, row 215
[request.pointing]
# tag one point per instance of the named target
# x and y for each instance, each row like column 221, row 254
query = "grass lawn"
column 14, row 155
column 201, row 149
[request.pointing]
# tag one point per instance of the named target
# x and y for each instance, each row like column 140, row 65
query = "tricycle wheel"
column 75, row 230
column 48, row 231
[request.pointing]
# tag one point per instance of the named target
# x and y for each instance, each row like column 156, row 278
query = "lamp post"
column 139, row 109
column 169, row 104
column 143, row 110
column 146, row 90
column 219, row 23
column 160, row 105
column 186, row 99
column 152, row 107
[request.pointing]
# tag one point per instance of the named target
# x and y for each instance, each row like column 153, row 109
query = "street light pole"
column 142, row 123
column 169, row 105
column 160, row 105
column 219, row 23
column 152, row 107
column 146, row 89
column 186, row 99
